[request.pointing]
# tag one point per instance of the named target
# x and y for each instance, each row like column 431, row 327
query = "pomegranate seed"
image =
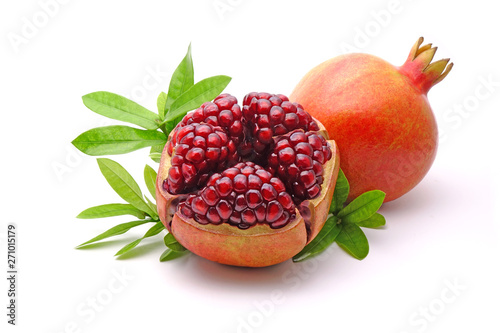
column 304, row 162
column 254, row 182
column 224, row 209
column 210, row 195
column 314, row 191
column 254, row 198
column 240, row 203
column 268, row 192
column 291, row 121
column 195, row 155
column 276, row 115
column 248, row 218
column 260, row 212
column 286, row 156
column 226, row 118
column 274, row 211
column 213, row 216
column 277, row 184
column 304, row 148
column 308, row 178
column 188, row 172
column 203, row 130
column 281, row 221
column 175, row 175
column 240, row 183
column 199, row 206
column 224, row 186
column 297, row 137
column 285, row 200
column 201, row 219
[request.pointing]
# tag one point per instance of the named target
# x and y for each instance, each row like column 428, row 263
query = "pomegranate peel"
column 379, row 115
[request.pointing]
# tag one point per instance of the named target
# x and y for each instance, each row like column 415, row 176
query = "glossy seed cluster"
column 243, row 195
column 267, row 115
column 224, row 111
column 246, row 166
column 197, row 151
column 297, row 158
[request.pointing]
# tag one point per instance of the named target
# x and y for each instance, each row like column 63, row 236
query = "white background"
column 438, row 252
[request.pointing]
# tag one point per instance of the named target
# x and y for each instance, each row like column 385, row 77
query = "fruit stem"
column 419, row 69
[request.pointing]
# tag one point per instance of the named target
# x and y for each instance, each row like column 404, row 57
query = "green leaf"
column 323, row 240
column 352, row 239
column 182, row 79
column 115, row 231
column 123, row 184
column 110, row 210
column 154, row 230
column 201, row 92
column 340, row 194
column 172, row 243
column 374, row 221
column 155, row 152
column 362, row 207
column 120, row 108
column 161, row 102
column 150, row 179
column 170, row 254
column 152, row 206
column 114, row 140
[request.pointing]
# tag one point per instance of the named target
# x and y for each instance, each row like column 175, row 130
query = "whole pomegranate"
column 247, row 186
column 379, row 115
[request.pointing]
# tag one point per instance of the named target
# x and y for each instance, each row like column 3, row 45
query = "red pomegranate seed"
column 248, row 217
column 210, row 195
column 224, row 209
column 274, row 211
column 240, row 203
column 213, row 216
column 308, row 178
column 199, row 206
column 240, row 183
column 286, row 156
column 268, row 192
column 224, row 186
column 304, row 162
column 195, row 155
column 254, row 198
column 277, row 184
column 254, row 182
column 285, row 200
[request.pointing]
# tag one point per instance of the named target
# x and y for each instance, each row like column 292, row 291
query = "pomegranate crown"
column 421, row 71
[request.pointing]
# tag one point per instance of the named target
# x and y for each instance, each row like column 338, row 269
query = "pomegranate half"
column 269, row 236
column 379, row 115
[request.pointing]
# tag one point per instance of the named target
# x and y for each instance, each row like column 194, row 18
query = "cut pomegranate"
column 247, row 188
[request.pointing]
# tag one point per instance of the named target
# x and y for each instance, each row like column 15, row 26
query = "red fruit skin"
column 380, row 118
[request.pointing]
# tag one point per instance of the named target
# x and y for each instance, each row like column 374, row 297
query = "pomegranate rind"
column 320, row 205
column 258, row 246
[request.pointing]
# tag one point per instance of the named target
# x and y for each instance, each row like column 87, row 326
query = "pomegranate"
column 379, row 115
column 224, row 188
